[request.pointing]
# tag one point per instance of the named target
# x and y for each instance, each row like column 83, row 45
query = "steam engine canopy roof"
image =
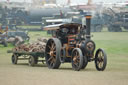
column 59, row 26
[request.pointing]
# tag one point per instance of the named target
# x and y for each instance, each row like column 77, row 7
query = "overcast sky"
column 76, row 1
column 85, row 1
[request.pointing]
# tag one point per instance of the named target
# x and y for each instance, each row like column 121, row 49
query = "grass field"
column 116, row 73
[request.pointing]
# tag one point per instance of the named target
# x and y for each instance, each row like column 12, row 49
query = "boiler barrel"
column 37, row 14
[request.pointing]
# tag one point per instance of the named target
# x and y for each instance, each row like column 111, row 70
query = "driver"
column 64, row 30
column 73, row 31
column 63, row 34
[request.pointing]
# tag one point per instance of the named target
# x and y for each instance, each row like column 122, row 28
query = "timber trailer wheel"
column 77, row 59
column 100, row 60
column 52, row 53
column 31, row 61
column 14, row 58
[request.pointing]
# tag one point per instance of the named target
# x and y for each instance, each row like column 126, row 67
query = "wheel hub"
column 51, row 53
column 100, row 60
column 90, row 46
column 74, row 59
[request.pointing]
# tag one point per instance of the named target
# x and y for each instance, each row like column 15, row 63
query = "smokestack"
column 88, row 25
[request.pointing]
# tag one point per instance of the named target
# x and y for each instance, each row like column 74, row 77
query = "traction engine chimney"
column 88, row 25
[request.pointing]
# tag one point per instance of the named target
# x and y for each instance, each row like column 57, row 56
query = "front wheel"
column 100, row 60
column 14, row 59
column 77, row 59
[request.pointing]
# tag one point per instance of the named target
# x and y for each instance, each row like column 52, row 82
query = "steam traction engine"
column 72, row 43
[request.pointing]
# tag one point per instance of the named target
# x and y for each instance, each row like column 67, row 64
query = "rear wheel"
column 52, row 53
column 77, row 59
column 31, row 61
column 100, row 60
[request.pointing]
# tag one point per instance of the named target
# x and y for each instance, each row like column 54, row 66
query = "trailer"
column 32, row 57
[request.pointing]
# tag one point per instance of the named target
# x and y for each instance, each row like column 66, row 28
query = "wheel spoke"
column 100, row 64
column 54, row 59
column 49, row 47
column 53, row 47
column 76, row 53
column 76, row 64
column 54, row 55
column 51, row 63
column 77, row 56
column 76, row 59
column 100, row 54
column 51, row 42
column 50, row 59
column 98, row 60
